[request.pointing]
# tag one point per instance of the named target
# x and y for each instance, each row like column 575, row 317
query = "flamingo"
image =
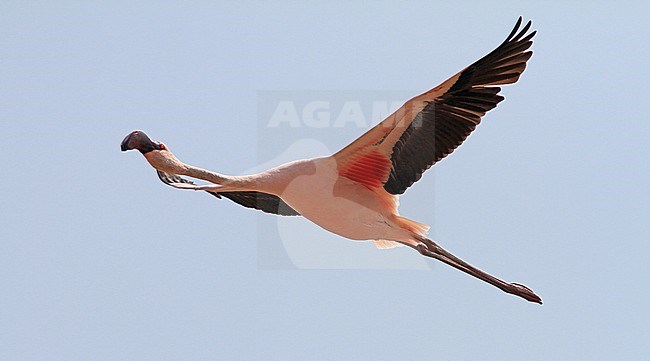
column 354, row 192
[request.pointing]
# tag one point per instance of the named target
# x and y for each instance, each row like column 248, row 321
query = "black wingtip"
column 514, row 30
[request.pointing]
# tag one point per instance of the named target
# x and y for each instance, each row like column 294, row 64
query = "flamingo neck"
column 165, row 161
column 229, row 183
column 206, row 175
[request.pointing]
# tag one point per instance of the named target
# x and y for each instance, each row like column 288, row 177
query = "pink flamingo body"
column 354, row 192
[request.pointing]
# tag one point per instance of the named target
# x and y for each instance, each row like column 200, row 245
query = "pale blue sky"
column 99, row 260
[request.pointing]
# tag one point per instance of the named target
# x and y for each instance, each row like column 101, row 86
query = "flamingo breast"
column 338, row 204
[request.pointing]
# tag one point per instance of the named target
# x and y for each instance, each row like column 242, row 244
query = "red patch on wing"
column 370, row 169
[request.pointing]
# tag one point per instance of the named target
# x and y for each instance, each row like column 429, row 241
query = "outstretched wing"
column 427, row 128
column 265, row 202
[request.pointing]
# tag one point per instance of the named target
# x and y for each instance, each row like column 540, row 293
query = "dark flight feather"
column 445, row 122
column 264, row 202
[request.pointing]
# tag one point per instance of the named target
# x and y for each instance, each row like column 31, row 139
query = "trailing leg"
column 429, row 248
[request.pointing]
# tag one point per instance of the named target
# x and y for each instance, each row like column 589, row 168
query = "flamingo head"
column 137, row 139
column 155, row 152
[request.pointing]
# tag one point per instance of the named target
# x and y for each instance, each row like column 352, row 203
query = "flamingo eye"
column 162, row 146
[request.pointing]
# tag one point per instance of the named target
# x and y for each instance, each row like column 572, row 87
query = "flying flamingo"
column 354, row 192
